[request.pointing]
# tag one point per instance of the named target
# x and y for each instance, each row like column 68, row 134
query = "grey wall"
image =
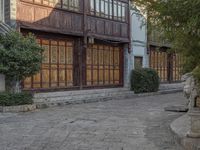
column 2, row 10
column 128, row 66
column 139, row 37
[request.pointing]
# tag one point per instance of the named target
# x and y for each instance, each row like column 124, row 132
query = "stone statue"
column 191, row 91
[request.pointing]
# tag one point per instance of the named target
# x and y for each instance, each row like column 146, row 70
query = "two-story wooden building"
column 84, row 41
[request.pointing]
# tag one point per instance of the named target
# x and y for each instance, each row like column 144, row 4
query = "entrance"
column 104, row 65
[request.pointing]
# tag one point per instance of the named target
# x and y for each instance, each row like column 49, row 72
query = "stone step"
column 85, row 96
column 171, row 86
column 80, row 92
column 43, row 100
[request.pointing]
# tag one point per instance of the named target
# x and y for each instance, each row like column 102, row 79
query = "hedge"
column 144, row 80
column 15, row 99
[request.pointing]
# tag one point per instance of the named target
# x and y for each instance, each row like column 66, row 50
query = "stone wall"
column 128, row 66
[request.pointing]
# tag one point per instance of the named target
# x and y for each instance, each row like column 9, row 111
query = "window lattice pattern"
column 111, row 9
column 65, row 4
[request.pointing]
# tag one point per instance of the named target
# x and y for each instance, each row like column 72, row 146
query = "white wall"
column 139, row 37
column 2, row 10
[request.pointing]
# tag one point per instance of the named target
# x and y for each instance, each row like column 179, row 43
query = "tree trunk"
column 15, row 86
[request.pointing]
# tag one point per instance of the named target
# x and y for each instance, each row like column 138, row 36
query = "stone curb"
column 16, row 109
column 179, row 128
column 102, row 99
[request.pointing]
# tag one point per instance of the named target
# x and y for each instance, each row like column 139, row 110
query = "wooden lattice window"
column 112, row 9
column 57, row 66
column 103, row 65
column 72, row 5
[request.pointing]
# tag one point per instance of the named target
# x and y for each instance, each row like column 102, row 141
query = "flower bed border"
column 19, row 108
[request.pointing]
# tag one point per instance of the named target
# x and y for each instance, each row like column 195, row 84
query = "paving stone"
column 126, row 124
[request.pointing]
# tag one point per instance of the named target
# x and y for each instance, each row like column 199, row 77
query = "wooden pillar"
column 82, row 58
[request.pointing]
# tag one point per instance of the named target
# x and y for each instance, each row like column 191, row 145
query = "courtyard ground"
column 127, row 124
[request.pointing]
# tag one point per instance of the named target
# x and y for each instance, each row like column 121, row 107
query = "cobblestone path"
column 128, row 124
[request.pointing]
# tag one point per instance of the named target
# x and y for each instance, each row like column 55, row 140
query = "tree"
column 20, row 57
column 179, row 20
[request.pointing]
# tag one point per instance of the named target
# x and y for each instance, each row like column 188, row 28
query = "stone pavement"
column 126, row 124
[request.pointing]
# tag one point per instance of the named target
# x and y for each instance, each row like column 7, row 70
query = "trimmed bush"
column 144, row 80
column 15, row 99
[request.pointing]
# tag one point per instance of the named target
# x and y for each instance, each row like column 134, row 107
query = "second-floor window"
column 71, row 4
column 111, row 9
column 64, row 4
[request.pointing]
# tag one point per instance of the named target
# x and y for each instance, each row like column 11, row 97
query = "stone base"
column 16, row 109
column 193, row 135
column 195, row 124
column 51, row 99
column 181, row 129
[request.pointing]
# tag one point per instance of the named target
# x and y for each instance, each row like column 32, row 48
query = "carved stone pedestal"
column 195, row 124
column 191, row 91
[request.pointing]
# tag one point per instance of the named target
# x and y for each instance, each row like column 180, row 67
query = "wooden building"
column 168, row 64
column 84, row 41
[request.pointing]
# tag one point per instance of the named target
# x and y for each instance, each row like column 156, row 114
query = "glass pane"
column 71, row 4
column 91, row 5
column 110, row 8
column 119, row 11
column 123, row 12
column 106, row 8
column 65, row 4
column 102, row 7
column 115, row 10
column 76, row 5
column 97, row 7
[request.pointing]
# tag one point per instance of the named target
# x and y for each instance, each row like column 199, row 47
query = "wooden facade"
column 168, row 65
column 84, row 41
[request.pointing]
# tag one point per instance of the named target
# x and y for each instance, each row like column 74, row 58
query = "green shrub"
column 144, row 80
column 14, row 99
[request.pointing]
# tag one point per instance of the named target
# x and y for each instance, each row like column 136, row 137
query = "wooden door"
column 168, row 66
column 57, row 66
column 103, row 65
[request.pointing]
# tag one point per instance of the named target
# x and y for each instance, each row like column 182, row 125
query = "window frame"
column 112, row 12
column 61, row 4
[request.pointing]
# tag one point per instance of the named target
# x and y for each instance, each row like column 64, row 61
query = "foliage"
column 144, row 80
column 14, row 99
column 20, row 56
column 179, row 21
